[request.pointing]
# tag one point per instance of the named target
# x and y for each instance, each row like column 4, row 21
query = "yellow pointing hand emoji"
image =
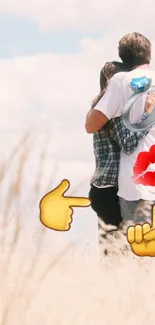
column 56, row 209
column 142, row 238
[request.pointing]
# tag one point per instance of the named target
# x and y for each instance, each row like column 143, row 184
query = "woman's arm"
column 127, row 140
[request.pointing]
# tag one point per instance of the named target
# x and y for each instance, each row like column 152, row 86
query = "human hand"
column 150, row 103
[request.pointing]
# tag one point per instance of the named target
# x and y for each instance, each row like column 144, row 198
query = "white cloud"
column 59, row 86
column 88, row 15
column 63, row 13
column 49, row 93
column 53, row 92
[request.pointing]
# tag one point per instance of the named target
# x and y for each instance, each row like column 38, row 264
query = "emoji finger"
column 131, row 234
column 77, row 201
column 62, row 188
column 150, row 235
column 153, row 210
column 138, row 234
column 146, row 228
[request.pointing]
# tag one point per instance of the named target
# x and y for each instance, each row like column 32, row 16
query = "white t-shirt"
column 112, row 104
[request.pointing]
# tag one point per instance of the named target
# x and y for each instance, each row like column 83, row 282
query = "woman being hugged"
column 108, row 143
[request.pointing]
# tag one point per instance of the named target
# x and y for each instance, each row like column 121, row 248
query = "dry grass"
column 40, row 286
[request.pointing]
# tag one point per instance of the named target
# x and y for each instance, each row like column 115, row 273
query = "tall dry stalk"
column 15, row 187
column 6, row 165
column 40, row 235
column 13, row 196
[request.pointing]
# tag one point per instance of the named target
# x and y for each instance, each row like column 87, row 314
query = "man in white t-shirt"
column 135, row 50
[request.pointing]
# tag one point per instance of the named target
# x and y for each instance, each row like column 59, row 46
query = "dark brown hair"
column 107, row 72
column 134, row 49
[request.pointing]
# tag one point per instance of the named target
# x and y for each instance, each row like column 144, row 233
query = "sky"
column 50, row 58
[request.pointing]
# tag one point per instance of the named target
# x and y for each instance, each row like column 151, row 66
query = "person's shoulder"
column 152, row 76
column 116, row 80
column 119, row 76
column 138, row 73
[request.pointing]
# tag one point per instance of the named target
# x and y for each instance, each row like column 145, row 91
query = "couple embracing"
column 115, row 195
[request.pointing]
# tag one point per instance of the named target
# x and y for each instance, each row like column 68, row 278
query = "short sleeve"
column 110, row 102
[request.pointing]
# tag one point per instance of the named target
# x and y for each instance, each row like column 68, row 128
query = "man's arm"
column 105, row 109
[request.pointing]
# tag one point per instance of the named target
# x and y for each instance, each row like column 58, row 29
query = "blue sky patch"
column 20, row 37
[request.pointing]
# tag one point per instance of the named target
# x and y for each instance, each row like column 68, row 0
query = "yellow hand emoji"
column 142, row 238
column 56, row 209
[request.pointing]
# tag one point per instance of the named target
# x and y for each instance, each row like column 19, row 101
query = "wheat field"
column 46, row 284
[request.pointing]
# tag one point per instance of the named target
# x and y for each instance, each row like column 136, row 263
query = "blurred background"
column 50, row 59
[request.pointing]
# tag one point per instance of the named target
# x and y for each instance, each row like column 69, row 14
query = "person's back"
column 128, row 189
column 134, row 49
column 107, row 144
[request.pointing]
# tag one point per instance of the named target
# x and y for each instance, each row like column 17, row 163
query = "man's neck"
column 144, row 66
